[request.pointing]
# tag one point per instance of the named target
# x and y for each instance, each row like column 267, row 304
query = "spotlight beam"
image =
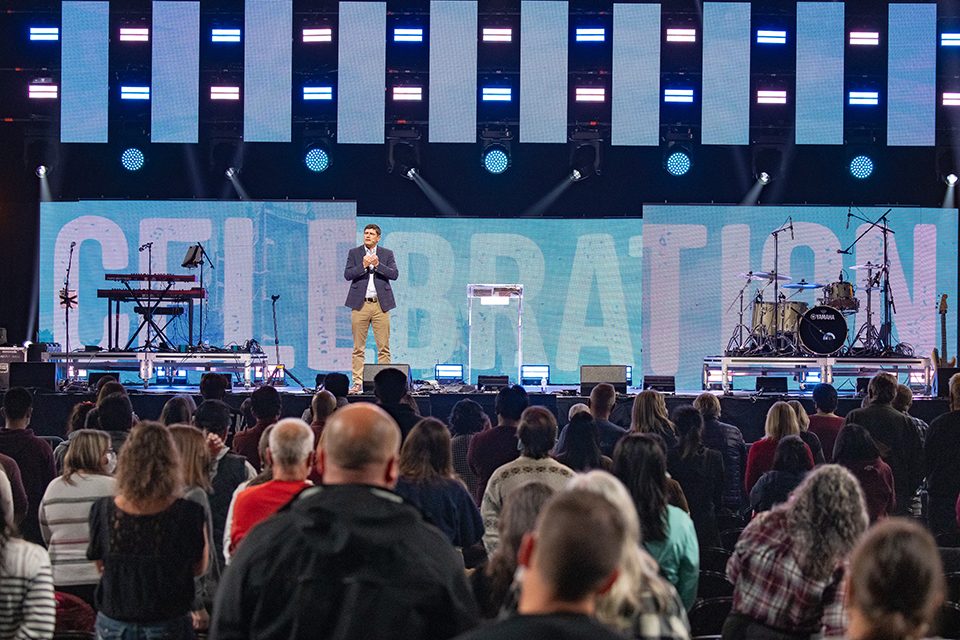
column 234, row 177
column 540, row 207
column 752, row 196
column 438, row 201
column 950, row 197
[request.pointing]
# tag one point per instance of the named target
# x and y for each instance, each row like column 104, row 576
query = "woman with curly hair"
column 641, row 603
column 787, row 566
column 896, row 583
column 649, row 415
column 148, row 542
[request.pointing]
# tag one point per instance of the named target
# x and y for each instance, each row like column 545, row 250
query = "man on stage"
column 370, row 269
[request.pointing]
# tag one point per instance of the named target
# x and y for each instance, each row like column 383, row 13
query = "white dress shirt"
column 371, row 290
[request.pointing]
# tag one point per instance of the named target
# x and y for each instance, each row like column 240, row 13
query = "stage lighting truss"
column 496, row 146
column 132, row 159
column 584, row 153
column 403, row 152
column 861, row 167
column 317, row 158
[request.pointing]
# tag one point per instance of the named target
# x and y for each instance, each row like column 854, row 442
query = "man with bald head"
column 349, row 559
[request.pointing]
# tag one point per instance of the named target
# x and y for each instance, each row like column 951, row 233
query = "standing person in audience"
column 941, row 454
column 825, row 423
column 266, row 475
column 390, row 387
column 728, row 440
column 582, row 451
column 491, row 449
column 75, row 422
column 65, row 511
column 810, row 439
column 178, row 410
column 493, row 583
column 857, row 451
column 114, row 415
column 902, row 403
column 467, row 418
column 790, row 466
column 781, row 422
column 27, row 606
column 266, row 405
column 787, row 566
column 650, row 416
column 227, row 470
column 699, row 471
column 895, row 434
column 537, row 433
column 570, row 561
column 896, row 583
column 32, row 454
column 291, row 457
column 427, row 481
column 351, row 538
column 603, row 398
column 639, row 462
column 641, row 603
column 148, row 542
column 195, row 467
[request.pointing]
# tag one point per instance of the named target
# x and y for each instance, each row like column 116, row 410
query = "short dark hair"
column 266, row 403
column 16, row 403
column 511, row 401
column 466, row 417
column 825, row 397
column 390, row 385
column 882, row 388
column 213, row 386
column 337, row 383
column 791, row 455
column 374, row 227
column 580, row 537
column 213, row 416
column 854, row 444
column 115, row 413
column 537, row 432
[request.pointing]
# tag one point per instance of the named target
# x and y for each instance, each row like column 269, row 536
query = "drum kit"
column 789, row 327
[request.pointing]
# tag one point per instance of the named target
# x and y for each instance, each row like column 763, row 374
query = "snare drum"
column 839, row 295
column 790, row 315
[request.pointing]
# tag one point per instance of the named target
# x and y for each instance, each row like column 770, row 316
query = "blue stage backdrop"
column 582, row 281
column 694, row 253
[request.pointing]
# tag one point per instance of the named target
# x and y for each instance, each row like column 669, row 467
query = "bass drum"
column 823, row 330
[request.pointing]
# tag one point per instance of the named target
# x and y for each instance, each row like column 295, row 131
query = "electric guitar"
column 938, row 360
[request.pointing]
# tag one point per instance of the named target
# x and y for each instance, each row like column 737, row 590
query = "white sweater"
column 27, row 606
column 510, row 477
column 65, row 524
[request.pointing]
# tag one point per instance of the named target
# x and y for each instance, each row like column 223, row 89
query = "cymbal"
column 764, row 275
column 803, row 284
column 865, row 265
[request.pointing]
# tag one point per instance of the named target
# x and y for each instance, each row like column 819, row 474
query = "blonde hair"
column 194, row 455
column 955, row 392
column 803, row 420
column 85, row 453
column 825, row 517
column 781, row 421
column 148, row 467
column 649, row 414
column 639, row 572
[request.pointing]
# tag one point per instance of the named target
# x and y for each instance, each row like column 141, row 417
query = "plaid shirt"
column 771, row 588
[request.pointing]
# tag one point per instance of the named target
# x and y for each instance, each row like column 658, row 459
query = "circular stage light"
column 861, row 167
column 317, row 160
column 496, row 160
column 678, row 163
column 132, row 159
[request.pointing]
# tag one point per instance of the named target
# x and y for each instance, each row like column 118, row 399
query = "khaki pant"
column 370, row 314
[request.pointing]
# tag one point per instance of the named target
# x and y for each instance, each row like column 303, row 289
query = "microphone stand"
column 274, row 378
column 205, row 257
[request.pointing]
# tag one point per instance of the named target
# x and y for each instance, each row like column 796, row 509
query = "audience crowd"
column 365, row 520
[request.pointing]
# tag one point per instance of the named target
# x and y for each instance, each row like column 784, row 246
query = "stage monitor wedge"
column 370, row 372
column 591, row 375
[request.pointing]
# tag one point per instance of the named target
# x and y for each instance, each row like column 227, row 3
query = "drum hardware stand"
column 274, row 378
column 736, row 344
column 777, row 302
column 68, row 299
column 878, row 342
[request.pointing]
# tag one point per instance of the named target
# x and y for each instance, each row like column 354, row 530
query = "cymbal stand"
column 876, row 341
column 736, row 343
column 777, row 302
column 67, row 300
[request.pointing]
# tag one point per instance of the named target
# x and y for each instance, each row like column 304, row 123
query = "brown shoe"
column 355, row 389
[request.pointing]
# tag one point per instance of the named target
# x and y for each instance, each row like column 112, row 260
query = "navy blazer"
column 382, row 275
